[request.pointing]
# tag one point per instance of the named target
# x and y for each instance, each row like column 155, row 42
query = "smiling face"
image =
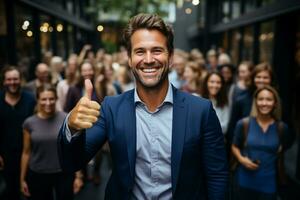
column 243, row 72
column 46, row 103
column 149, row 58
column 43, row 73
column 265, row 102
column 262, row 78
column 87, row 71
column 214, row 84
column 189, row 75
column 226, row 73
column 12, row 82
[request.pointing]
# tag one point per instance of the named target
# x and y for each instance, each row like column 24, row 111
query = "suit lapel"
column 130, row 131
column 178, row 133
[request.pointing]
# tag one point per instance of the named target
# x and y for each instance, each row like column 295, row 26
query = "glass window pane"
column 247, row 51
column 24, row 38
column 249, row 5
column 70, row 39
column 235, row 45
column 266, row 39
column 225, row 41
column 46, row 28
column 266, row 2
column 236, row 8
column 60, row 29
column 225, row 11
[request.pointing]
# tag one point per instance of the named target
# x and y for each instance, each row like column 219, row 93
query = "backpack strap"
column 246, row 122
column 280, row 130
column 233, row 162
column 281, row 176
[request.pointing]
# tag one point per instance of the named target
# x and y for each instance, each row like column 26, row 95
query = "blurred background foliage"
column 122, row 10
column 113, row 15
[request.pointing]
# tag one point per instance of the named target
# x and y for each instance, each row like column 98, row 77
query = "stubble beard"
column 161, row 79
column 13, row 93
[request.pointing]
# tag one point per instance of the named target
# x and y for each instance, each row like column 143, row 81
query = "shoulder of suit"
column 120, row 97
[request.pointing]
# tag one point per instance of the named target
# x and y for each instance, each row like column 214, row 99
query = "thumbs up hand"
column 86, row 111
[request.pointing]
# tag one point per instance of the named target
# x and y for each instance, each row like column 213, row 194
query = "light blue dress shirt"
column 153, row 150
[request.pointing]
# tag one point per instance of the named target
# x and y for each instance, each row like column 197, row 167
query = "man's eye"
column 139, row 52
column 157, row 51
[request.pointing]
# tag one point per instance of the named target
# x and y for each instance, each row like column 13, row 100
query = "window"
column 235, row 46
column 24, row 38
column 266, row 39
column 60, row 30
column 70, row 39
column 236, row 9
column 266, row 2
column 247, row 51
column 249, row 6
column 225, row 11
column 225, row 41
column 46, row 28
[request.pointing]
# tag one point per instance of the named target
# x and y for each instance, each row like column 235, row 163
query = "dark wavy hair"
column 150, row 22
column 221, row 98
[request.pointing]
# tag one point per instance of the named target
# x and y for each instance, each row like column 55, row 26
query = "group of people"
column 165, row 139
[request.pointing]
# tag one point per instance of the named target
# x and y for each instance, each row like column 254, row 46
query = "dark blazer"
column 198, row 160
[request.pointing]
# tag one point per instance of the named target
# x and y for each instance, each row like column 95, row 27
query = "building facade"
column 31, row 28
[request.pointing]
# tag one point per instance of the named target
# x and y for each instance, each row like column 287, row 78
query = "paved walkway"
column 96, row 192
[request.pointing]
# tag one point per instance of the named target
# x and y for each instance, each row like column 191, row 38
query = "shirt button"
column 153, row 140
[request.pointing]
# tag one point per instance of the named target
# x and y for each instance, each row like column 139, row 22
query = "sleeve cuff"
column 68, row 133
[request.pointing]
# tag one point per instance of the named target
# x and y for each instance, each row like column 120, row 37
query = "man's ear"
column 129, row 61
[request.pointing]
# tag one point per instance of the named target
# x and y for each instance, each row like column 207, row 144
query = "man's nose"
column 148, row 58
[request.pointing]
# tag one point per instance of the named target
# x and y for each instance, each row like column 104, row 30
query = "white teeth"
column 149, row 70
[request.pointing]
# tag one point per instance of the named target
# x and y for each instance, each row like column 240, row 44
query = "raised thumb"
column 88, row 86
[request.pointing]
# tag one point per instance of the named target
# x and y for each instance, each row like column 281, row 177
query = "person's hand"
column 249, row 164
column 1, row 163
column 86, row 111
column 77, row 185
column 87, row 47
column 24, row 189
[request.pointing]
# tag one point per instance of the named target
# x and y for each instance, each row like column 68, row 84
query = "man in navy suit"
column 165, row 144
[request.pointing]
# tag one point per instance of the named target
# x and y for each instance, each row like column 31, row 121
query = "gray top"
column 153, row 150
column 44, row 132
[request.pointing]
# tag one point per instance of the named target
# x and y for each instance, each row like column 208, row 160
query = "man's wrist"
column 72, row 130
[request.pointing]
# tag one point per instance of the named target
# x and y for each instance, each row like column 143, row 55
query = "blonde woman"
column 258, row 144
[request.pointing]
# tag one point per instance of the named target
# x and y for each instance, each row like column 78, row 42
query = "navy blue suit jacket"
column 198, row 160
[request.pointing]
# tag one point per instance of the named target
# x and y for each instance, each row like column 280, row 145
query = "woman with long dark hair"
column 213, row 89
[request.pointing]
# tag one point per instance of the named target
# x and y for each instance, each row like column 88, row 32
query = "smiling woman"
column 40, row 169
column 213, row 89
column 258, row 145
column 46, row 97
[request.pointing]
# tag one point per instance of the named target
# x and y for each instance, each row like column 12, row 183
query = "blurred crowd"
column 32, row 112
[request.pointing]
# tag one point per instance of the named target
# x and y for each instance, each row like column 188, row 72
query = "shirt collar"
column 168, row 98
